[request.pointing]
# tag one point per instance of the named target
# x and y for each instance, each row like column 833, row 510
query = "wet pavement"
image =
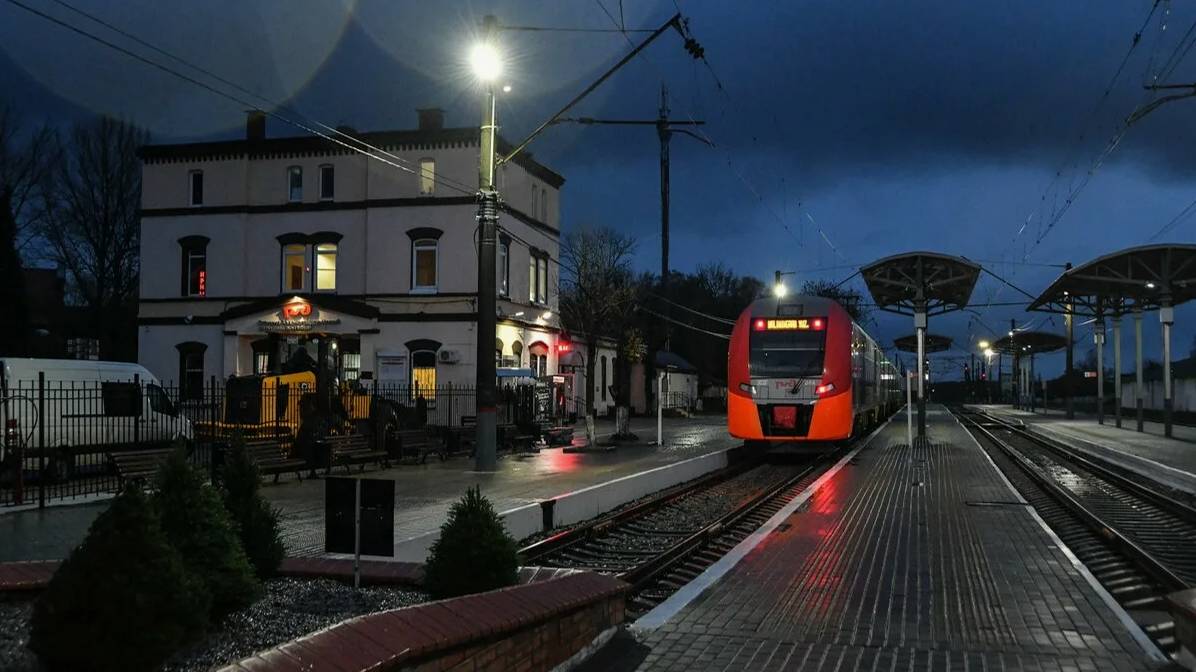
column 423, row 493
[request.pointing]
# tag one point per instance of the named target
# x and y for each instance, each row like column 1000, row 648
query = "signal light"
column 818, row 324
column 759, row 325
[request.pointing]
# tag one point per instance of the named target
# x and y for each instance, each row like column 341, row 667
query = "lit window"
column 194, row 265
column 294, row 184
column 326, row 267
column 196, row 187
column 261, row 362
column 427, row 177
column 294, row 268
column 504, row 268
column 423, row 374
column 327, row 182
column 423, row 265
column 351, row 366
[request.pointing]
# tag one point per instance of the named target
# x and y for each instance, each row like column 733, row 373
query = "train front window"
column 787, row 354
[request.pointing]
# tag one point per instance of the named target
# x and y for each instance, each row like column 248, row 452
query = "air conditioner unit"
column 448, row 356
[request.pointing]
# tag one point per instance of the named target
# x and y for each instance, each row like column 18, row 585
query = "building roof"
column 898, row 283
column 671, row 360
column 315, row 145
column 1137, row 277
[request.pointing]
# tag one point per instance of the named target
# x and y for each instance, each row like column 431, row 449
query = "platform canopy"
column 939, row 282
column 1029, row 343
column 934, row 343
column 1146, row 277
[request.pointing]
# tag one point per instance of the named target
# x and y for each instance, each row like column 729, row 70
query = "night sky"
column 844, row 131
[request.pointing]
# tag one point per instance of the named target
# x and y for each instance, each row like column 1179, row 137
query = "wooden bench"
column 557, row 436
column 418, row 443
column 138, row 465
column 271, row 458
column 347, row 449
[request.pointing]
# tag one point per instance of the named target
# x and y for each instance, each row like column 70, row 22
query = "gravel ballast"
column 290, row 608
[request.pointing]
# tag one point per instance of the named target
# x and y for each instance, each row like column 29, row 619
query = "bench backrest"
column 347, row 442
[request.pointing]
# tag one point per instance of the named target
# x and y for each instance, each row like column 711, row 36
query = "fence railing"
column 58, row 437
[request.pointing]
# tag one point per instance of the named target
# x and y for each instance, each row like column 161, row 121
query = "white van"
column 88, row 409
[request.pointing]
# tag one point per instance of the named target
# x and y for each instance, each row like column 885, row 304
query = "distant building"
column 253, row 250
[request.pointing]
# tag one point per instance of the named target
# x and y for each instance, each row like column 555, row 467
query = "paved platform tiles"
column 1172, row 461
column 908, row 559
column 423, row 493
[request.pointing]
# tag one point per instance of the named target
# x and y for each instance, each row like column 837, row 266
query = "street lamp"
column 779, row 290
column 983, row 345
column 486, row 61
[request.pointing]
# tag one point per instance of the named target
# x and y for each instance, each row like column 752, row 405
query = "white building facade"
column 259, row 251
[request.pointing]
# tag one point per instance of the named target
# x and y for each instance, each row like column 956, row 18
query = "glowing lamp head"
column 779, row 290
column 988, row 352
column 485, row 61
column 984, row 345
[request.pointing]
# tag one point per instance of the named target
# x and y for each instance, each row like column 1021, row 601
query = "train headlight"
column 824, row 390
column 750, row 389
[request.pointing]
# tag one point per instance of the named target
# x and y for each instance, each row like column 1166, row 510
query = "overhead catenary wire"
column 683, row 324
column 1183, row 214
column 699, row 313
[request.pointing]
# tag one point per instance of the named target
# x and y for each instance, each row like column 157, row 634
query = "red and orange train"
column 800, row 370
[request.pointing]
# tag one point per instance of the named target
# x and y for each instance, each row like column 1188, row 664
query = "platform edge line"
column 666, row 610
column 1151, row 650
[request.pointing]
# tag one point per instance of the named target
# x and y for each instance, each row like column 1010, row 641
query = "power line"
column 555, row 29
column 453, row 184
column 1183, row 214
column 699, row 313
column 683, row 324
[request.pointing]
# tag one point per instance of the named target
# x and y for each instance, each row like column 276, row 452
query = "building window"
column 351, row 366
column 535, row 201
column 603, row 377
column 195, row 182
column 427, row 177
column 294, row 268
column 295, row 184
column 537, row 280
column 194, row 265
column 326, row 267
column 542, row 279
column 261, row 362
column 191, row 370
column 538, row 358
column 531, row 279
column 503, row 266
column 543, row 205
column 423, row 374
column 327, row 182
column 423, row 265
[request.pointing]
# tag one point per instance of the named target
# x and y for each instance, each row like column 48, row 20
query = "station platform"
column 921, row 558
column 423, row 493
column 1170, row 461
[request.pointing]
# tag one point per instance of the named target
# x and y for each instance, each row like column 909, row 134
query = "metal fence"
column 59, row 437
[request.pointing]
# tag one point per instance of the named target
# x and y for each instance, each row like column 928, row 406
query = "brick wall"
column 531, row 627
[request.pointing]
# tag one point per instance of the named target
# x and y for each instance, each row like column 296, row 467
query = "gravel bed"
column 626, row 544
column 290, row 608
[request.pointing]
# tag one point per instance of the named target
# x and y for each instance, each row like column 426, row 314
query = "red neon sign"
column 203, row 283
column 564, row 347
column 296, row 310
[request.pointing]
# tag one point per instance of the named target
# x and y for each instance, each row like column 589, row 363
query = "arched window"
column 517, row 353
column 538, row 358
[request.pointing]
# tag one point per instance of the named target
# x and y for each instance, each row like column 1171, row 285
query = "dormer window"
column 327, row 182
column 295, row 184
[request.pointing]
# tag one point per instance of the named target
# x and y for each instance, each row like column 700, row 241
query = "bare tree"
column 24, row 164
column 91, row 228
column 596, row 291
column 850, row 299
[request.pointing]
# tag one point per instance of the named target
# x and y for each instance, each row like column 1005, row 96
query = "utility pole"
column 486, row 453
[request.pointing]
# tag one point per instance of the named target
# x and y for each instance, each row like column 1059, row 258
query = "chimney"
column 431, row 119
column 255, row 125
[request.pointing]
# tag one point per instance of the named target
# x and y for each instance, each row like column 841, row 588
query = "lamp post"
column 486, row 63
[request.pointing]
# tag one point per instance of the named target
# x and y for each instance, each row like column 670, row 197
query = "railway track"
column 662, row 544
column 1138, row 541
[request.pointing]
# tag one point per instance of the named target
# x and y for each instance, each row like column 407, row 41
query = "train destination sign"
column 790, row 324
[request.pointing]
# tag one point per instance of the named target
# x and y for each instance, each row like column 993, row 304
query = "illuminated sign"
column 203, row 283
column 564, row 347
column 296, row 310
column 790, row 324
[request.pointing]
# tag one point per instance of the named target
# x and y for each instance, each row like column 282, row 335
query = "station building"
column 255, row 249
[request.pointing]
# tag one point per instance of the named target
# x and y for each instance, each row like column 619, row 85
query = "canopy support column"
column 920, row 327
column 1099, row 338
column 1117, row 367
column 1167, row 317
column 1138, row 364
